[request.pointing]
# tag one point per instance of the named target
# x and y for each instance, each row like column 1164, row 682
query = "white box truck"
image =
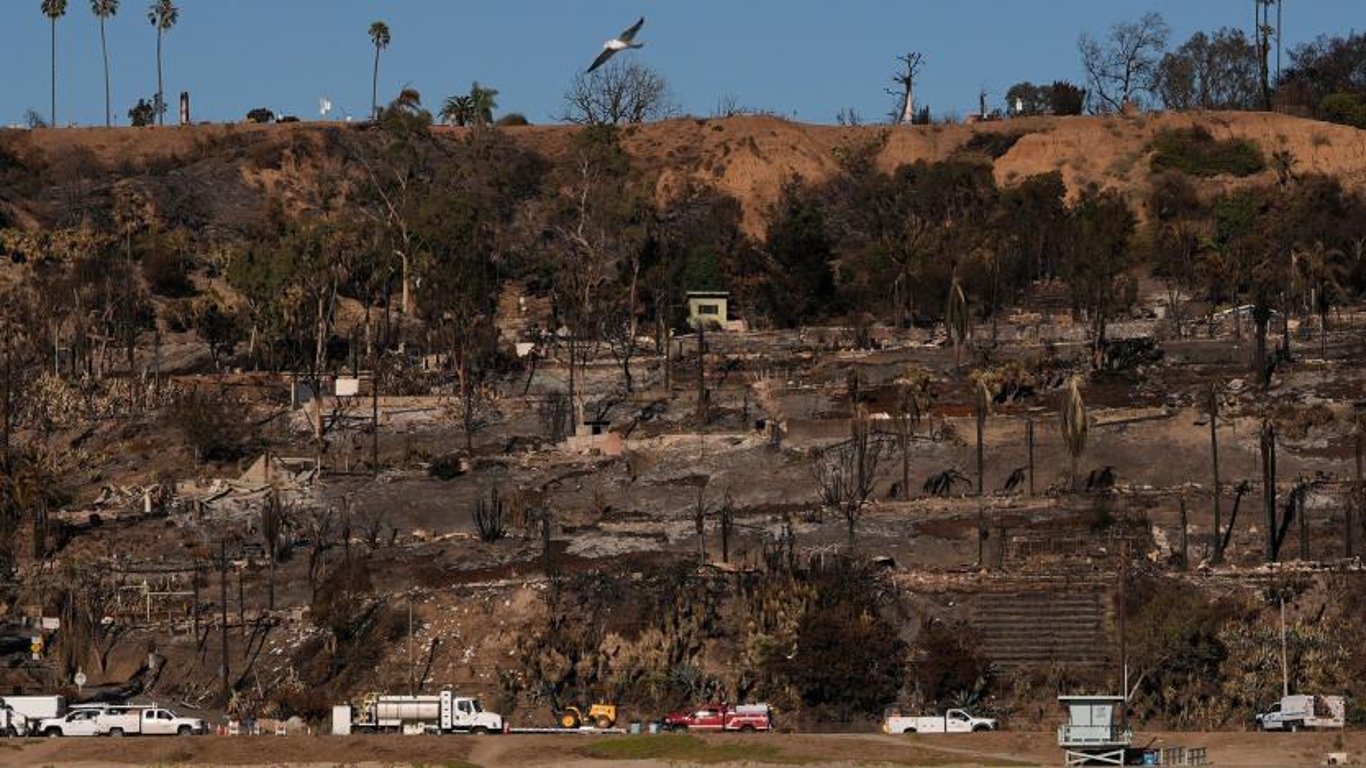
column 952, row 721
column 1292, row 713
column 35, row 708
column 442, row 712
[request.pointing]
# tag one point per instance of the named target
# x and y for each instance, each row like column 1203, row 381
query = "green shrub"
column 993, row 144
column 1345, row 108
column 1194, row 151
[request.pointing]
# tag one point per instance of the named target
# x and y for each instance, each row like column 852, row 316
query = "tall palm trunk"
column 53, row 113
column 161, row 93
column 104, row 48
column 374, row 115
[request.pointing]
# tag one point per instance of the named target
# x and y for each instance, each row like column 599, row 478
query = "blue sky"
column 802, row 58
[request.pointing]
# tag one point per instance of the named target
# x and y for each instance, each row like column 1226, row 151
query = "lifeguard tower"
column 1091, row 735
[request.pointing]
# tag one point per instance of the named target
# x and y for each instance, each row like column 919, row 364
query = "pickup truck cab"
column 78, row 722
column 952, row 721
column 722, row 717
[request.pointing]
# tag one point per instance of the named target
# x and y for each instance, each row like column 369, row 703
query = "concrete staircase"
column 1066, row 624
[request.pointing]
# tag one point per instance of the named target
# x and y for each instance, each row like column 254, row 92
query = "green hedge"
column 1195, row 152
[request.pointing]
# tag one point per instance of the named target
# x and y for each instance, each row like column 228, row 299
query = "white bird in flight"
column 619, row 43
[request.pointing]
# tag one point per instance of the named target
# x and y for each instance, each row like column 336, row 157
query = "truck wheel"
column 908, row 730
column 604, row 722
column 680, row 728
column 481, row 731
column 53, row 733
column 979, row 728
column 746, row 728
column 184, row 730
column 116, row 732
column 569, row 720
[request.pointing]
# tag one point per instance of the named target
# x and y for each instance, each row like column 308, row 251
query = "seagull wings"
column 601, row 59
column 630, row 34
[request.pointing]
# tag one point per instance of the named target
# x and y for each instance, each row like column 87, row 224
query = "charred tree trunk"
column 1218, row 556
column 1268, row 451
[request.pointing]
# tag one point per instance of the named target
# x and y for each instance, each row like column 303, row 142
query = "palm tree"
column 163, row 14
column 457, row 110
column 484, row 102
column 379, row 35
column 1073, row 423
column 103, row 9
column 53, row 10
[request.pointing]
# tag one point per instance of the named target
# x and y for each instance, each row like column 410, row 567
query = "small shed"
column 708, row 307
column 1093, row 735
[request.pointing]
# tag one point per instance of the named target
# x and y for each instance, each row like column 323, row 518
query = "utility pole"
column 701, row 371
column 412, row 677
column 223, row 606
column 374, row 415
column 1029, row 438
column 1285, row 669
column 1123, row 618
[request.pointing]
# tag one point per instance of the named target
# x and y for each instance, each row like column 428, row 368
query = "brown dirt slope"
column 750, row 157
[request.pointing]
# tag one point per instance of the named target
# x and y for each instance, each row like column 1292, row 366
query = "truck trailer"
column 442, row 712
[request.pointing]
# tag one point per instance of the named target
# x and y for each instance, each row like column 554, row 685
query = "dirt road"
column 1255, row 750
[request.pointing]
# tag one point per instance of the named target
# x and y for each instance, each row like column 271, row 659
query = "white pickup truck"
column 146, row 721
column 952, row 721
column 1292, row 713
column 82, row 721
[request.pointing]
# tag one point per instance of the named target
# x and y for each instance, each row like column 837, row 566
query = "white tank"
column 394, row 710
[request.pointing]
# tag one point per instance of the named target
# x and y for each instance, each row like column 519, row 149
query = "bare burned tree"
column 490, row 517
column 905, row 90
column 1125, row 63
column 319, row 523
column 845, row 472
column 619, row 93
column 274, row 519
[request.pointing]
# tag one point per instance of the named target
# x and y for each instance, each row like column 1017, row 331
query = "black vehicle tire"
column 480, row 731
column 604, row 722
column 979, row 728
column 746, row 728
column 680, row 728
column 116, row 732
column 908, row 730
column 52, row 733
column 184, row 730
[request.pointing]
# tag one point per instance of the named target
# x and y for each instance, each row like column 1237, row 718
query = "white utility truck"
column 952, row 721
column 1292, row 713
column 442, row 712
column 132, row 720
